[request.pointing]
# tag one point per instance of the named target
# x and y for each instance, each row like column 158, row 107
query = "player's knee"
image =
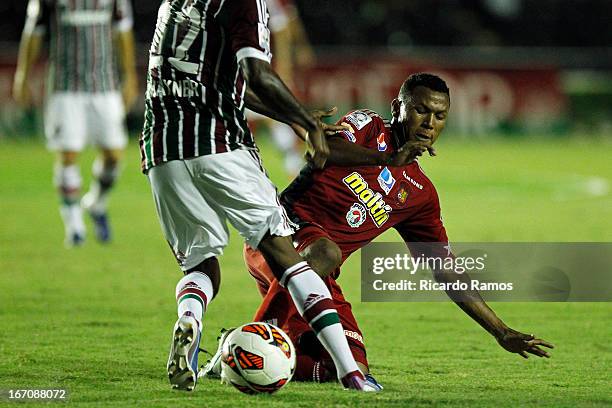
column 324, row 256
column 68, row 158
column 278, row 252
column 210, row 267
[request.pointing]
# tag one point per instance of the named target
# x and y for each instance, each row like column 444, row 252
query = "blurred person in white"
column 86, row 97
column 292, row 51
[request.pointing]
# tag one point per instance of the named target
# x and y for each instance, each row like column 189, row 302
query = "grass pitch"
column 97, row 320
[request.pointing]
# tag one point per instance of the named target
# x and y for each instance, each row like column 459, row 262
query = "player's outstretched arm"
column 276, row 99
column 510, row 339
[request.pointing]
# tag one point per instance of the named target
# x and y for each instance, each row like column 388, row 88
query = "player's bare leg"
column 67, row 179
column 313, row 300
column 193, row 295
column 105, row 171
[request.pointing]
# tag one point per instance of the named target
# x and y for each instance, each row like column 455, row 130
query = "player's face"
column 423, row 114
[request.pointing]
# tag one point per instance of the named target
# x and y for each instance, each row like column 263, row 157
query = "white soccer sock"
column 193, row 294
column 67, row 179
column 313, row 301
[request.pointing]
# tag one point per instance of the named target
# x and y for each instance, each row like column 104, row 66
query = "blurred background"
column 514, row 66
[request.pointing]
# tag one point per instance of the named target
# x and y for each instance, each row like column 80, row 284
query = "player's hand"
column 129, row 91
column 521, row 343
column 317, row 149
column 317, row 114
column 328, row 129
column 409, row 152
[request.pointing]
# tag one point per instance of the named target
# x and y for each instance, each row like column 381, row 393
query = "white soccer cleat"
column 212, row 368
column 371, row 382
column 183, row 359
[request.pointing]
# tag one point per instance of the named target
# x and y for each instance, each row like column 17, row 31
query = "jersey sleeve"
column 365, row 126
column 123, row 16
column 247, row 25
column 38, row 17
column 426, row 227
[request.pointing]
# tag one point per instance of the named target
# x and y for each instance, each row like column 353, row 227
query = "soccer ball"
column 257, row 358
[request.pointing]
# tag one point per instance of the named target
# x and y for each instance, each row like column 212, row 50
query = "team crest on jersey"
column 386, row 180
column 359, row 119
column 380, row 140
column 402, row 194
column 376, row 206
column 356, row 215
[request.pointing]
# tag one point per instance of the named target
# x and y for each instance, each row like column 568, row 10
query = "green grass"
column 97, row 320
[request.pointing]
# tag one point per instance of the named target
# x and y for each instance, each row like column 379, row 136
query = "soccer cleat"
column 101, row 226
column 371, row 382
column 98, row 215
column 74, row 239
column 183, row 359
column 356, row 381
column 212, row 368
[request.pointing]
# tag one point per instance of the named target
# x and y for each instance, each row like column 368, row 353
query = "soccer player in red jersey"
column 371, row 183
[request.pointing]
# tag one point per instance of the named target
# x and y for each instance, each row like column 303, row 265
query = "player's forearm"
column 125, row 48
column 475, row 307
column 29, row 50
column 252, row 102
column 345, row 154
column 274, row 95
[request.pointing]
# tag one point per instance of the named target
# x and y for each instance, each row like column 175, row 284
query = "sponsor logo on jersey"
column 412, row 181
column 382, row 145
column 349, row 133
column 402, row 193
column 356, row 215
column 359, row 119
column 386, row 180
column 378, row 209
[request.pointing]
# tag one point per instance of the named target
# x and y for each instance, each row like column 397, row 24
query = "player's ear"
column 395, row 108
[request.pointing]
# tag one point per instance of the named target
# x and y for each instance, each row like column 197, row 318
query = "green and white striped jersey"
column 194, row 104
column 81, row 54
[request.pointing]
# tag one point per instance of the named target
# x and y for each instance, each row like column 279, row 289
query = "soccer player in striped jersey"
column 83, row 99
column 208, row 60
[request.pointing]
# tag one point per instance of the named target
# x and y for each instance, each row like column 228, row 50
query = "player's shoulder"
column 362, row 118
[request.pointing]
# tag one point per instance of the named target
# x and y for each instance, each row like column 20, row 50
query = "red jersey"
column 354, row 205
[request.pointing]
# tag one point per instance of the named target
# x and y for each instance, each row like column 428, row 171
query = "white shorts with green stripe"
column 196, row 197
column 75, row 119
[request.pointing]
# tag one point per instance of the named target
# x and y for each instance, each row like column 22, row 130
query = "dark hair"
column 433, row 82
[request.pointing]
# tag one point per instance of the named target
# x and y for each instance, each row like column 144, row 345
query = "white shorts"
column 195, row 197
column 75, row 119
